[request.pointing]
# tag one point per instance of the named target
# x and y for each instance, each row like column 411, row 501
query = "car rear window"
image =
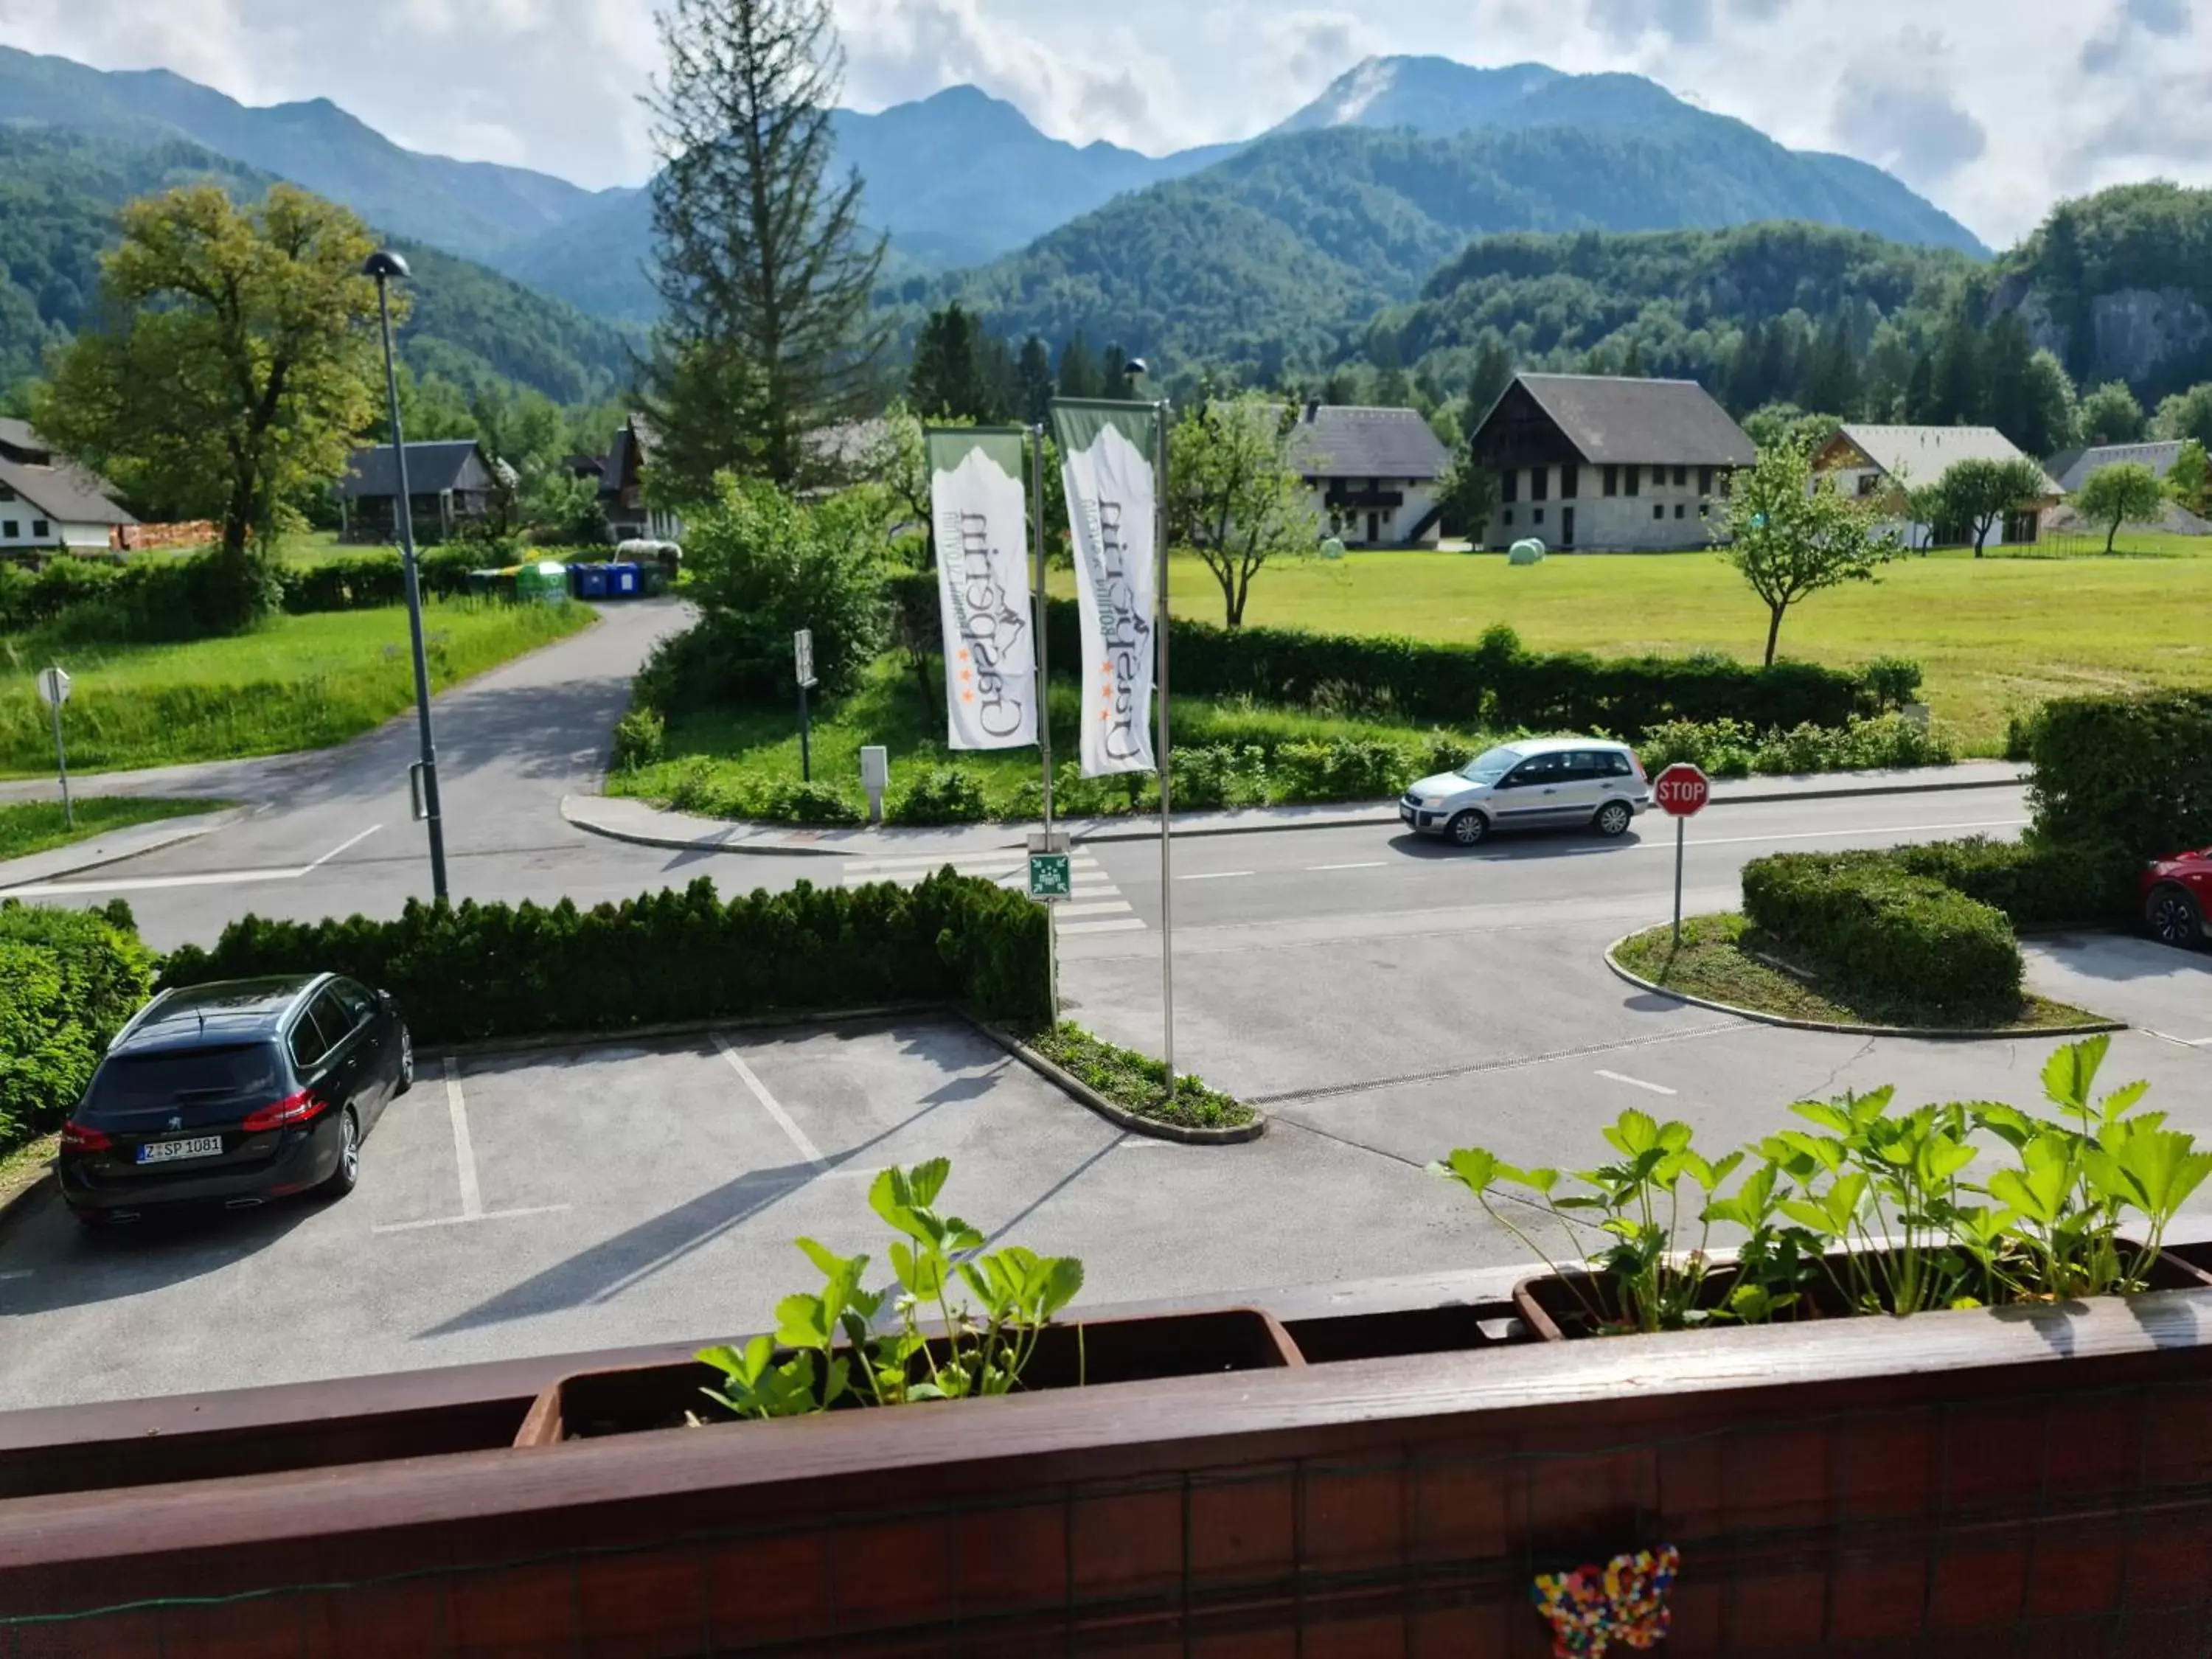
column 134, row 1081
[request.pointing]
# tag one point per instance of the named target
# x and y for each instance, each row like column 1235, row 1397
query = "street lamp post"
column 383, row 266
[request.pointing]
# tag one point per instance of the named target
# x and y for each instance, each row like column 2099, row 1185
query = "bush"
column 1344, row 769
column 1498, row 684
column 1733, row 749
column 155, row 598
column 640, row 739
column 1885, row 933
column 806, row 803
column 2034, row 884
column 497, row 970
column 763, row 566
column 69, row 979
column 2124, row 779
column 944, row 795
column 1893, row 681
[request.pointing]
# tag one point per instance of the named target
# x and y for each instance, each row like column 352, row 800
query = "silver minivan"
column 1544, row 783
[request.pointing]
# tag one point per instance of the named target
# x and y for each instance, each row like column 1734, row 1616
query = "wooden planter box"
column 2016, row 1482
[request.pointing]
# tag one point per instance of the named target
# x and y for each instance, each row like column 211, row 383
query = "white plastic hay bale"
column 1530, row 552
column 1332, row 549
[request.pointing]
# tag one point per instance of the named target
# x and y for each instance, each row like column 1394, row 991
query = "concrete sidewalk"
column 112, row 848
column 645, row 825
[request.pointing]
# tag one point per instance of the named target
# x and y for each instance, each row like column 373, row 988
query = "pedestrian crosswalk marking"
column 1096, row 906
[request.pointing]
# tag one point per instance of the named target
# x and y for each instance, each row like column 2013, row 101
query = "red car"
column 2176, row 894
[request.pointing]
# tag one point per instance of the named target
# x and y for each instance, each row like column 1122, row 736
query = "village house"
column 1886, row 463
column 1589, row 463
column 49, row 503
column 622, row 489
column 453, row 484
column 1373, row 473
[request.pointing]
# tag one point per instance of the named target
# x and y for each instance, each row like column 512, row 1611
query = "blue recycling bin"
column 591, row 580
column 625, row 581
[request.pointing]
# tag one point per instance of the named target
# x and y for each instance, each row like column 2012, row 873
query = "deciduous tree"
column 1979, row 494
column 2189, row 480
column 1233, row 494
column 1792, row 535
column 768, row 332
column 238, row 362
column 2125, row 493
column 2111, row 415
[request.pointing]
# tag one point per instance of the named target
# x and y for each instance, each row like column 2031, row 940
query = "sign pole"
column 1681, row 839
column 802, row 654
column 1043, row 606
column 1167, row 834
column 1680, row 792
column 55, row 684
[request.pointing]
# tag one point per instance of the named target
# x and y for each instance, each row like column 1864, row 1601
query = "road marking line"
column 20, row 1272
column 465, row 1154
column 2179, row 1042
column 213, row 878
column 466, row 1220
column 1318, row 869
column 1129, row 926
column 807, row 1149
column 1217, row 875
column 343, row 847
column 1638, row 1083
column 1662, row 846
column 1117, row 908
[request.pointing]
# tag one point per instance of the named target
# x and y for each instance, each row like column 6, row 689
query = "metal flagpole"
column 1044, row 707
column 1167, row 836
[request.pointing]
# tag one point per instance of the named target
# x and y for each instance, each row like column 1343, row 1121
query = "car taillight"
column 1636, row 761
column 291, row 1110
column 76, row 1137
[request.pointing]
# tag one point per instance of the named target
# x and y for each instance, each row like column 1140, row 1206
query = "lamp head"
column 1136, row 366
column 384, row 262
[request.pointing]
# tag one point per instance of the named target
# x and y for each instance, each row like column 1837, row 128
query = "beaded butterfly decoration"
column 1624, row 1603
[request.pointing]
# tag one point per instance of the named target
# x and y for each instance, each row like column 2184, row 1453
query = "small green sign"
column 1051, row 876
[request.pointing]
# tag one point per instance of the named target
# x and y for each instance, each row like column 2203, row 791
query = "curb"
column 1121, row 1117
column 1110, row 829
column 1926, row 1033
column 184, row 829
column 28, row 1196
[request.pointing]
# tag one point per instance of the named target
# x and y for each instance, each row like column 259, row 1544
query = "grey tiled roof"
column 432, row 468
column 65, row 493
column 1625, row 420
column 1344, row 441
column 1918, row 455
column 2072, row 470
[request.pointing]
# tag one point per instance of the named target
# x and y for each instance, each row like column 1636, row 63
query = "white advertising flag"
column 977, row 505
column 1106, row 465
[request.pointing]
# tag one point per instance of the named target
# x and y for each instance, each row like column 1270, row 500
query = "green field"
column 295, row 682
column 40, row 826
column 1996, row 635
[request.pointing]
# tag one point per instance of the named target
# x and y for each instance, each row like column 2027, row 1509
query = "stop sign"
column 1682, row 791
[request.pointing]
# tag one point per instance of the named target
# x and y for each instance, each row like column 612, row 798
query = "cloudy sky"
column 1991, row 107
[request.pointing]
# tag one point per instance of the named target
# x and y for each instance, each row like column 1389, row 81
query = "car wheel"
column 1614, row 818
column 1469, row 829
column 406, row 1061
column 2175, row 918
column 344, row 1179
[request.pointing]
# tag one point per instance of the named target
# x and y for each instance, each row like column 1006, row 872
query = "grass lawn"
column 1996, row 635
column 1724, row 959
column 40, row 826
column 295, row 682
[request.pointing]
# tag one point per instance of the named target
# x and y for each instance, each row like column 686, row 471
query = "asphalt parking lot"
column 630, row 1192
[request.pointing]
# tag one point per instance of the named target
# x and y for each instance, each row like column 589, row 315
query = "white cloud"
column 2035, row 97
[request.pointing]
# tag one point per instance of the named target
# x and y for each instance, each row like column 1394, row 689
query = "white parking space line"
column 807, row 1149
column 1117, row 908
column 1324, row 869
column 20, row 1272
column 1638, row 1083
column 214, row 879
column 1216, row 875
column 1131, row 926
column 2179, row 1041
column 468, row 1220
column 464, row 1155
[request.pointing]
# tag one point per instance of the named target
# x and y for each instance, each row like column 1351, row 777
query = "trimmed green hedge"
column 496, row 971
column 2124, row 779
column 2035, row 885
column 69, row 979
column 1879, row 929
column 372, row 580
column 1498, row 684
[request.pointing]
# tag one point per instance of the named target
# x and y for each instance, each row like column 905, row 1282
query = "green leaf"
column 1633, row 1133
column 1473, row 1167
column 2165, row 1168
column 2069, row 1076
column 1827, row 1114
column 827, row 1262
column 800, row 1322
column 926, row 1180
column 2123, row 1100
column 2007, row 1124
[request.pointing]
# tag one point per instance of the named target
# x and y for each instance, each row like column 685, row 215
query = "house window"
column 1682, row 478
column 1540, row 483
column 1681, row 511
column 1612, row 481
column 1658, row 512
column 6, row 494
column 1704, row 481
column 12, row 529
column 39, row 527
column 1510, row 488
column 1570, row 482
column 1537, row 517
column 1867, row 481
column 1635, row 480
column 1509, row 518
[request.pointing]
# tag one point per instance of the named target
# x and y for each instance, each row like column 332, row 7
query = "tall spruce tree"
column 1113, row 374
column 766, row 333
column 1033, row 382
column 1078, row 369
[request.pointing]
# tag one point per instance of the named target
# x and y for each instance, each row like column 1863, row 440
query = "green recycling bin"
column 542, row 583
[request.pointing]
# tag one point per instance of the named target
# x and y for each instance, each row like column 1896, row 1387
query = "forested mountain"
column 1672, row 303
column 60, row 193
column 1284, row 252
column 467, row 208
column 2120, row 285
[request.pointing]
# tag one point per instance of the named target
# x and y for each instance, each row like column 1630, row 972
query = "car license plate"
column 1407, row 813
column 170, row 1152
